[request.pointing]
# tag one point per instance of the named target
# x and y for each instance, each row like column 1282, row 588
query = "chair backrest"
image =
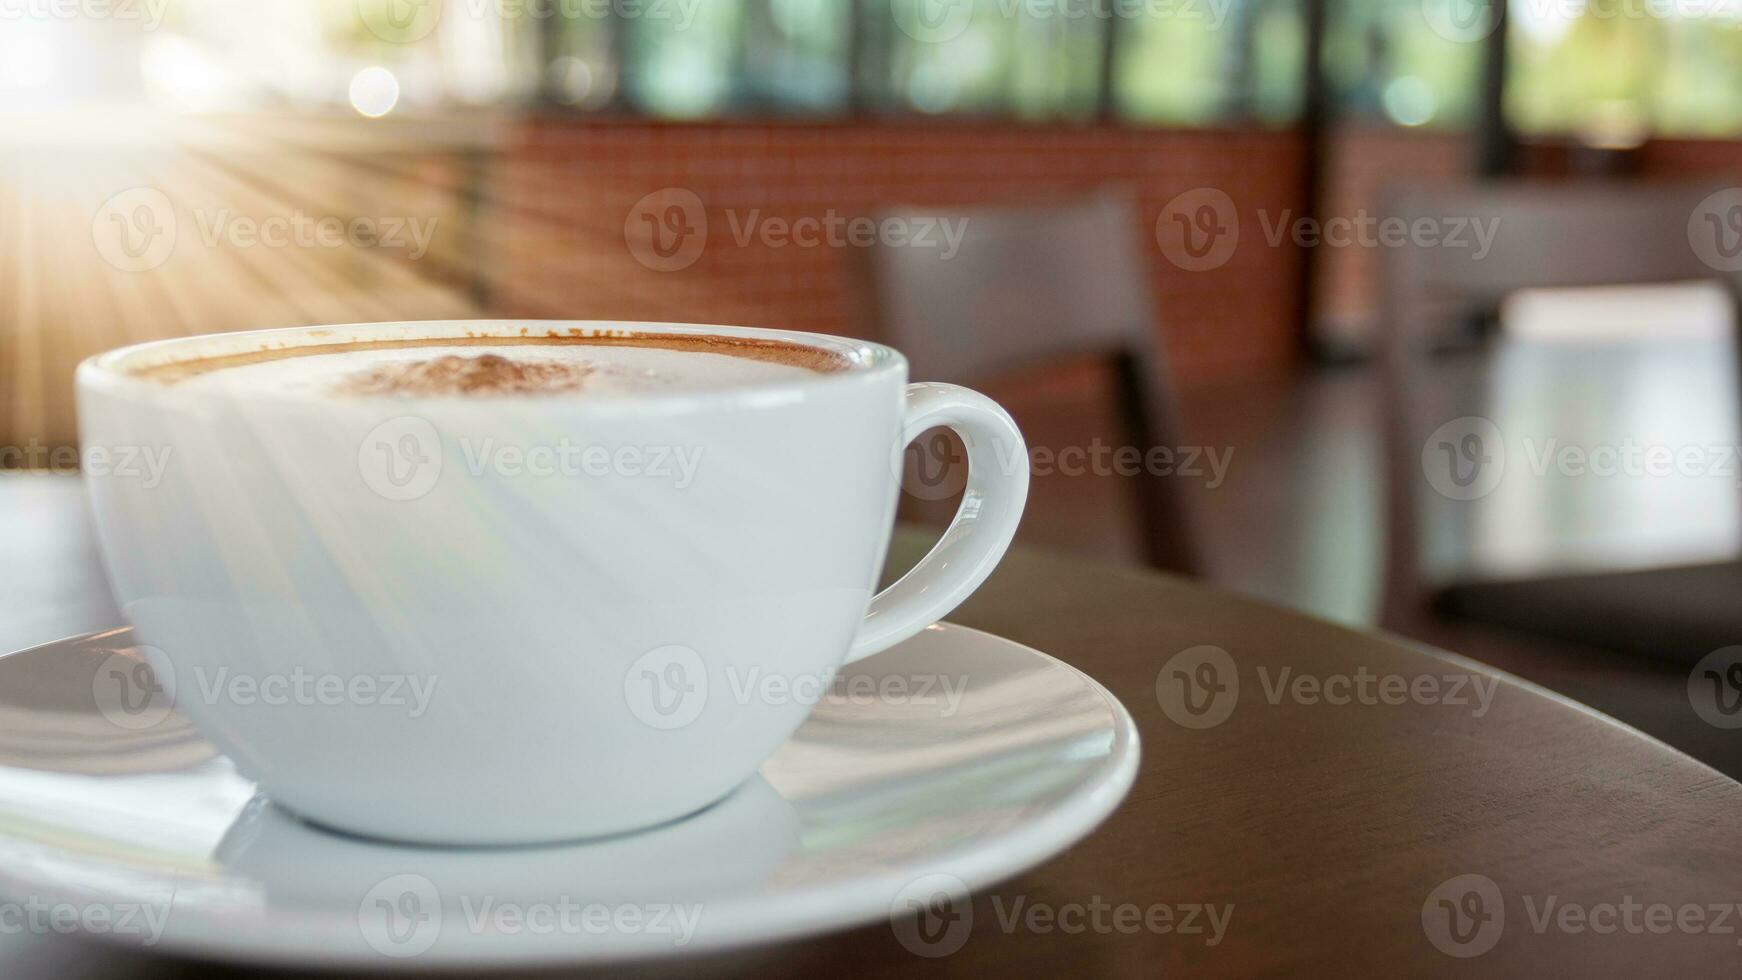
column 1015, row 287
column 1023, row 285
column 1538, row 236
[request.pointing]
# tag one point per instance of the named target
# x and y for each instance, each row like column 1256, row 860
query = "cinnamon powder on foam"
column 451, row 374
column 560, row 376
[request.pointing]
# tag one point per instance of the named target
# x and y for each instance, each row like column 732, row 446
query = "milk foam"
column 610, row 370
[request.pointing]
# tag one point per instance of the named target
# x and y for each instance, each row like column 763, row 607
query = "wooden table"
column 1333, row 830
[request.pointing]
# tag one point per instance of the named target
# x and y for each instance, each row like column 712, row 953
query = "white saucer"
column 876, row 803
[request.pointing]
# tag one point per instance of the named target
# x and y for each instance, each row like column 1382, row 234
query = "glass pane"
column 1039, row 59
column 377, row 55
column 681, row 63
column 1411, row 62
column 1613, row 79
column 583, row 69
column 1700, row 88
column 795, row 54
column 1203, row 61
column 722, row 56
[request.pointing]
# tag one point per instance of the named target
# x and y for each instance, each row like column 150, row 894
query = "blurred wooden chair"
column 1547, row 236
column 1029, row 287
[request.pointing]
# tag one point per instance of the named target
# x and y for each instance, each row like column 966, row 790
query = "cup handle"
column 983, row 526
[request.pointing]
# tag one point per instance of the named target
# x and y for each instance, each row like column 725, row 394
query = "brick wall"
column 1692, row 159
column 564, row 190
column 1362, row 160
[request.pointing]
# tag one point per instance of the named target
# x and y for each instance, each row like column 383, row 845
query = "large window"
column 984, row 57
column 1613, row 71
column 1609, row 71
column 1408, row 62
column 725, row 56
column 1204, row 61
column 1176, row 62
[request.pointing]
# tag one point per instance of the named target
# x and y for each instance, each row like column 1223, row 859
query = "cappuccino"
column 507, row 366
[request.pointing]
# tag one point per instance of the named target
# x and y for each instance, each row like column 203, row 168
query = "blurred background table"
column 1327, row 827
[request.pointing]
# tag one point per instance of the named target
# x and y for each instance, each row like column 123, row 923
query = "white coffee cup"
column 397, row 641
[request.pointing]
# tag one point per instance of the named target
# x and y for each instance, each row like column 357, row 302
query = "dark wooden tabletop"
column 1345, row 803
